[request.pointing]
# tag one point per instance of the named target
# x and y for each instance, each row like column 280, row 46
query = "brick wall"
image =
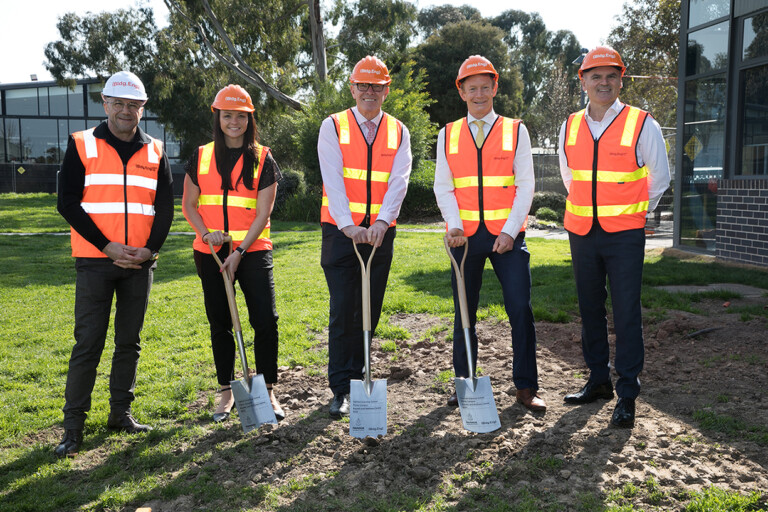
column 742, row 221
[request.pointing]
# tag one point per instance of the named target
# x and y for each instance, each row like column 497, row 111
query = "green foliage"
column 552, row 200
column 547, row 214
column 433, row 18
column 714, row 499
column 443, row 52
column 420, row 203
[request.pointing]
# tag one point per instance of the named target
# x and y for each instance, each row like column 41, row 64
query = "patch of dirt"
column 558, row 457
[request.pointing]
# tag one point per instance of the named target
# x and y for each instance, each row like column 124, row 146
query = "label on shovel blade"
column 478, row 408
column 254, row 408
column 367, row 413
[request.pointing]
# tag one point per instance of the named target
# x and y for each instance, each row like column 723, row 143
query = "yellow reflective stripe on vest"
column 453, row 146
column 613, row 210
column 234, row 201
column 574, row 129
column 611, row 176
column 343, row 127
column 356, row 207
column 391, row 133
column 238, row 235
column 488, row 181
column 630, row 126
column 506, row 134
column 501, row 214
column 205, row 159
column 362, row 174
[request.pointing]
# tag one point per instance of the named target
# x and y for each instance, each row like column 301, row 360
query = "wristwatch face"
column 155, row 255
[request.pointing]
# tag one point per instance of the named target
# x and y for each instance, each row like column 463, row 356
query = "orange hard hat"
column 370, row 70
column 476, row 65
column 233, row 97
column 602, row 56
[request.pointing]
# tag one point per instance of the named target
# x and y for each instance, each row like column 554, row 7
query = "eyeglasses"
column 119, row 106
column 375, row 87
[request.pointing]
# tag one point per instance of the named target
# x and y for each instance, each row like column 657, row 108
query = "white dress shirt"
column 525, row 181
column 332, row 170
column 651, row 151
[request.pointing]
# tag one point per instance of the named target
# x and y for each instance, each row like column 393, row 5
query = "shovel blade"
column 367, row 412
column 477, row 406
column 253, row 405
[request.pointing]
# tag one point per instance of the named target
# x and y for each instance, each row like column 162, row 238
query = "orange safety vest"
column 609, row 186
column 366, row 167
column 120, row 199
column 232, row 211
column 483, row 178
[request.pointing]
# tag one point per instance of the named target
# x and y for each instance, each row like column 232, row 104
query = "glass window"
column 38, row 137
column 154, row 129
column 21, row 102
column 2, row 140
column 755, row 36
column 75, row 99
column 172, row 146
column 742, row 7
column 58, row 101
column 95, row 103
column 702, row 11
column 12, row 140
column 754, row 128
column 63, row 136
column 42, row 101
column 78, row 125
column 707, row 49
column 702, row 162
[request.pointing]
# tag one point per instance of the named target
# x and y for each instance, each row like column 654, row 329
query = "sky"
column 31, row 25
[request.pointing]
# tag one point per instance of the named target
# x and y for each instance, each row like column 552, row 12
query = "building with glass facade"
column 722, row 155
column 36, row 119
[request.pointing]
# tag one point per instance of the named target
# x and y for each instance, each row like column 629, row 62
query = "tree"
column 646, row 36
column 432, row 19
column 443, row 52
column 558, row 101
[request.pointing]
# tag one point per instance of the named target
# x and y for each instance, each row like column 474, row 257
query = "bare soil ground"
column 558, row 457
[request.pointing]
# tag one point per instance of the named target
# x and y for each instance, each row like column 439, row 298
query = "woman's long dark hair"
column 250, row 155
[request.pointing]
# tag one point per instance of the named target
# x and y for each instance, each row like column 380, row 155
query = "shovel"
column 367, row 399
column 476, row 403
column 251, row 395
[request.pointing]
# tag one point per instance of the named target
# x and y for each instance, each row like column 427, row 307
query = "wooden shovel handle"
column 228, row 286
column 365, row 271
column 461, row 290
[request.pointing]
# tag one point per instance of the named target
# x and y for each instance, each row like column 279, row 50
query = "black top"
column 270, row 173
column 72, row 185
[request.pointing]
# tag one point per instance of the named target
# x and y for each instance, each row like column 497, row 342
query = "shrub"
column 420, row 204
column 547, row 214
column 292, row 183
column 302, row 206
column 552, row 200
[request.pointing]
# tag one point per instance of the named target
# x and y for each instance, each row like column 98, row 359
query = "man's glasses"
column 375, row 87
column 119, row 106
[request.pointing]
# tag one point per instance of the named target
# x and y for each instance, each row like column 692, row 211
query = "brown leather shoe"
column 531, row 400
column 453, row 400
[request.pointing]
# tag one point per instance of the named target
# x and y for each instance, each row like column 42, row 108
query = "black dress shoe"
column 591, row 392
column 339, row 405
column 624, row 413
column 124, row 422
column 70, row 443
column 279, row 412
column 453, row 400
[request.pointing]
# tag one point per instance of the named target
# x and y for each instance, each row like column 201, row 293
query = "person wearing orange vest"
column 115, row 192
column 484, row 185
column 613, row 161
column 230, row 189
column 365, row 162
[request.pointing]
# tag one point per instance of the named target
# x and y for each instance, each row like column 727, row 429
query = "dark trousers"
column 345, row 322
column 258, row 286
column 98, row 281
column 513, row 270
column 619, row 257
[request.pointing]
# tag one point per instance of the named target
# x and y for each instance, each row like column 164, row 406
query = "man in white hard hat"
column 115, row 192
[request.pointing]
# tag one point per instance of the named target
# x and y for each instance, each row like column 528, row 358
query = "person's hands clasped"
column 455, row 237
column 503, row 243
column 126, row 256
column 376, row 233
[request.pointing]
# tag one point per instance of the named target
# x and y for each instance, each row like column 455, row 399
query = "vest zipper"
column 125, row 199
column 594, row 182
column 226, row 217
column 480, row 184
column 369, row 175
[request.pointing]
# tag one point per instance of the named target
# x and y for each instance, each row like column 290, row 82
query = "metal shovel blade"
column 367, row 411
column 253, row 405
column 477, row 406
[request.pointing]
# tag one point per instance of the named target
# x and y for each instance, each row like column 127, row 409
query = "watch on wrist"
column 155, row 256
column 241, row 251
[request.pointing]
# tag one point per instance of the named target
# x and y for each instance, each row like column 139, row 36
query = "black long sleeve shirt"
column 72, row 186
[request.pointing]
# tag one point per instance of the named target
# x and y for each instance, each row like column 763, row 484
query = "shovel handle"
column 365, row 271
column 460, row 287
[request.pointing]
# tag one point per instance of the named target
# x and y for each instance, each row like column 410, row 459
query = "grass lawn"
column 37, row 299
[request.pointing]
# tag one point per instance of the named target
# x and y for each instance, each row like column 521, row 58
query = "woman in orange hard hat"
column 230, row 189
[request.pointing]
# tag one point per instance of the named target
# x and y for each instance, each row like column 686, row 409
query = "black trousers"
column 345, row 322
column 258, row 286
column 619, row 257
column 98, row 281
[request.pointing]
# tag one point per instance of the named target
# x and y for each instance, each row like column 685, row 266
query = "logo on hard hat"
column 234, row 98
column 125, row 84
column 371, row 71
column 482, row 64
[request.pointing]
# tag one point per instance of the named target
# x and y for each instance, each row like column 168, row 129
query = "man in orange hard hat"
column 484, row 185
column 613, row 161
column 365, row 161
column 115, row 191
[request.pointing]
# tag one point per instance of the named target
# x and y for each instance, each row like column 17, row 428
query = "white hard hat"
column 125, row 84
